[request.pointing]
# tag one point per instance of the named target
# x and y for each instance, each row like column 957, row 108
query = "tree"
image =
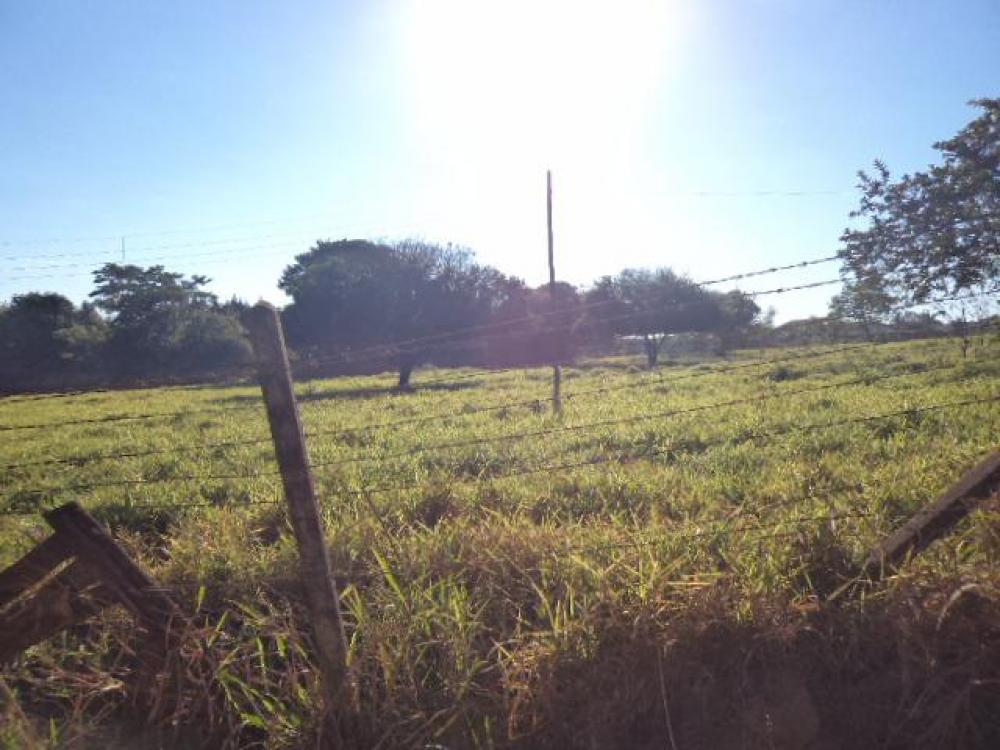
column 28, row 337
column 42, row 336
column 738, row 314
column 162, row 322
column 30, row 323
column 652, row 305
column 535, row 326
column 355, row 294
column 933, row 232
column 864, row 303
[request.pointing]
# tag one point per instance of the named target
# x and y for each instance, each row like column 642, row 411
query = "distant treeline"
column 362, row 307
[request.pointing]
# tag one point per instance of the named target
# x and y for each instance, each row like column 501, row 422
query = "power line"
column 158, row 233
column 302, row 235
column 211, row 261
column 804, row 192
column 242, row 251
column 757, row 193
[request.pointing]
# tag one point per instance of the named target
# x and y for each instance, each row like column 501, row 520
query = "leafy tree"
column 355, row 294
column 738, row 314
column 535, row 326
column 83, row 342
column 30, row 323
column 42, row 335
column 937, row 231
column 864, row 303
column 652, row 305
column 28, row 328
column 162, row 322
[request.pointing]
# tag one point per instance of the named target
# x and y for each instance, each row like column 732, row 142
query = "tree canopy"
column 162, row 322
column 42, row 334
column 353, row 294
column 651, row 305
column 935, row 232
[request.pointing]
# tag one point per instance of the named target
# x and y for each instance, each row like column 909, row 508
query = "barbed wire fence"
column 462, row 337
column 297, row 473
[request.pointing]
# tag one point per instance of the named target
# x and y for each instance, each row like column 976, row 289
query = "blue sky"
column 223, row 137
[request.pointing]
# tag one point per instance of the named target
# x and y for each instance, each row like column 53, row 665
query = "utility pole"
column 556, row 370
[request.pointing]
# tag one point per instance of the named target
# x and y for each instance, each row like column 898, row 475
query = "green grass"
column 491, row 602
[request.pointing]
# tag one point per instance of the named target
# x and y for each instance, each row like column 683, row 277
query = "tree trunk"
column 405, row 370
column 652, row 351
column 405, row 361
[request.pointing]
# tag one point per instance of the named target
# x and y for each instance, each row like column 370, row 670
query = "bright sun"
column 534, row 82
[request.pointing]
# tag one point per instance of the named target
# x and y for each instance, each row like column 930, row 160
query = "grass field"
column 648, row 570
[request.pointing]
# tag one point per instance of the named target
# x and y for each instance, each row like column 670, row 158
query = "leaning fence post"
column 937, row 518
column 300, row 494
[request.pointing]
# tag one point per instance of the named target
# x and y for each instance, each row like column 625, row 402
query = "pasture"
column 650, row 568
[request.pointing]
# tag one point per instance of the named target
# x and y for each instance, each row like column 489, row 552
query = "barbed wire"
column 128, row 417
column 754, row 399
column 701, row 446
column 450, row 415
column 772, row 269
column 598, row 460
column 379, row 351
column 351, row 359
column 726, row 524
column 425, row 419
column 357, row 356
column 246, row 371
column 255, row 404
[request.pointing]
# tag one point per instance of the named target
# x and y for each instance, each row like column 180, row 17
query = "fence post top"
column 72, row 508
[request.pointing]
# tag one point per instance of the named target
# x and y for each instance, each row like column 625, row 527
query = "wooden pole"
column 91, row 543
column 556, row 370
column 936, row 519
column 300, row 494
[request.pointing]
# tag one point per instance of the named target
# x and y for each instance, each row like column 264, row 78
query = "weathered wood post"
column 314, row 561
column 38, row 598
column 936, row 519
column 556, row 369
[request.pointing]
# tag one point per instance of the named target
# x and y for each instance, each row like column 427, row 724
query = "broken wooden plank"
column 32, row 568
column 936, row 519
column 69, row 597
column 92, row 544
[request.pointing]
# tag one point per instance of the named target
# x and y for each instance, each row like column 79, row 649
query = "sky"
column 710, row 136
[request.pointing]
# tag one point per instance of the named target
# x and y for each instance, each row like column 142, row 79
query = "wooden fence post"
column 556, row 369
column 115, row 569
column 39, row 597
column 293, row 460
column 936, row 519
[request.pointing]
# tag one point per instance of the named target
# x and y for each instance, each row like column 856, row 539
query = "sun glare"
column 529, row 83
column 499, row 92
